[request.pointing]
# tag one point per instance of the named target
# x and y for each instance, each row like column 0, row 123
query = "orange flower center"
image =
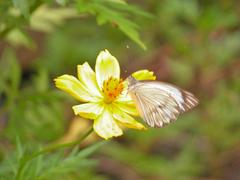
column 112, row 87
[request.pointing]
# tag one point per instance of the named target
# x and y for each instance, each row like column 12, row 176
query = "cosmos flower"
column 103, row 95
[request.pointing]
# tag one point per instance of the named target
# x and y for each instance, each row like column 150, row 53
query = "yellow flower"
column 104, row 95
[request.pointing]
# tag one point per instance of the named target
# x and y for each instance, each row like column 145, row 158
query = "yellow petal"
column 144, row 75
column 125, row 102
column 106, row 66
column 87, row 76
column 127, row 107
column 126, row 120
column 124, row 98
column 88, row 110
column 105, row 126
column 74, row 87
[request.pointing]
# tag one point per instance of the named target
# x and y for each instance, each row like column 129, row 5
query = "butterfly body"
column 159, row 103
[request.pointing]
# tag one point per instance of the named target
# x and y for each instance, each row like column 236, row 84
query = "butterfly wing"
column 161, row 103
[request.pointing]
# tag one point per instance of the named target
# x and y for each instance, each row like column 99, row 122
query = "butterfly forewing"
column 160, row 103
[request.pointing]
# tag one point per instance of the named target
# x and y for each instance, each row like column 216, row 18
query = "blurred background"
column 191, row 43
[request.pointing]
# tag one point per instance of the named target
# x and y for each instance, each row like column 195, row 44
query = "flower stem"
column 48, row 149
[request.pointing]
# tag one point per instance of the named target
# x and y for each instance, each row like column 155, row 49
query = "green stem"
column 25, row 160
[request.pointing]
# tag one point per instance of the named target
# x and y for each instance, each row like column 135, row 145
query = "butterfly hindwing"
column 161, row 103
column 158, row 107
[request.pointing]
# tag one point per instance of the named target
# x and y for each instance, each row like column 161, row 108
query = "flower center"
column 112, row 87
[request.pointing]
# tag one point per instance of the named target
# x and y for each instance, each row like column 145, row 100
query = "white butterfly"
column 159, row 103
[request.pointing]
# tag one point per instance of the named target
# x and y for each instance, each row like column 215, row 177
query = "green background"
column 190, row 43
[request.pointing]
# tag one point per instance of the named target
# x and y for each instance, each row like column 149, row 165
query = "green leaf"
column 20, row 150
column 19, row 38
column 46, row 19
column 58, row 164
column 41, row 80
column 23, row 6
column 117, row 14
column 11, row 74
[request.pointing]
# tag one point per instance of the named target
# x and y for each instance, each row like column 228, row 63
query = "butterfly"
column 159, row 103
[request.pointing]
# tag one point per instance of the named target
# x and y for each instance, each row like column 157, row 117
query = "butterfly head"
column 131, row 82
